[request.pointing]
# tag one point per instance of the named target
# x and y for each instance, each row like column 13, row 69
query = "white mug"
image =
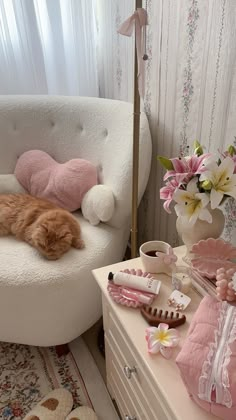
column 163, row 259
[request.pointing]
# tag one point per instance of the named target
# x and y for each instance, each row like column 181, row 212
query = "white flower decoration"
column 162, row 339
column 191, row 204
column 222, row 178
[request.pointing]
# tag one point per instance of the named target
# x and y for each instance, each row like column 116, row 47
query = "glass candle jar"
column 181, row 279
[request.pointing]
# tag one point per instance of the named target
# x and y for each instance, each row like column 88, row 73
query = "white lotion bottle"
column 146, row 284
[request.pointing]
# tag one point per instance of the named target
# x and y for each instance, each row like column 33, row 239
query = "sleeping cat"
column 48, row 228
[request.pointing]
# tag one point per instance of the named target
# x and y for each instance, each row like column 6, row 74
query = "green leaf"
column 196, row 144
column 198, row 149
column 232, row 150
column 165, row 162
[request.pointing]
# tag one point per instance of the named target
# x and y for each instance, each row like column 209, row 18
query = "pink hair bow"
column 139, row 20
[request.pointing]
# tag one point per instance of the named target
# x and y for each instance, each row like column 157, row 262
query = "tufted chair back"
column 99, row 130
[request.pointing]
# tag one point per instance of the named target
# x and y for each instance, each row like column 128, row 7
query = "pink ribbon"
column 139, row 20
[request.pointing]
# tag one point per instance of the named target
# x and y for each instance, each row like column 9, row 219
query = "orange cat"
column 48, row 228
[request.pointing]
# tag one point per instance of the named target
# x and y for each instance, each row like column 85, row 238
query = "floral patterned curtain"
column 190, row 88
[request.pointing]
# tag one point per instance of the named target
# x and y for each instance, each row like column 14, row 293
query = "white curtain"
column 48, row 47
column 115, row 52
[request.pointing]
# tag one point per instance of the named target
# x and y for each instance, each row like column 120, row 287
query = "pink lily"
column 187, row 167
column 166, row 193
column 162, row 339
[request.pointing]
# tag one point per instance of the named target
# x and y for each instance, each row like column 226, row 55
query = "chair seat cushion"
column 38, row 297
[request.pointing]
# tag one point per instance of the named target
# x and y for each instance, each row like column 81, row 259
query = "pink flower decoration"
column 162, row 339
column 166, row 193
column 185, row 168
column 171, row 302
column 168, row 258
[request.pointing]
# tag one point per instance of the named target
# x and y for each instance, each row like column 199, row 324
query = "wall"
column 190, row 87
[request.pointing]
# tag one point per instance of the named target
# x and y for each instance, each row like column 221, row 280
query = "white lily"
column 191, row 204
column 222, row 178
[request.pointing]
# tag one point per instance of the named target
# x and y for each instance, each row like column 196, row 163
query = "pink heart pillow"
column 65, row 184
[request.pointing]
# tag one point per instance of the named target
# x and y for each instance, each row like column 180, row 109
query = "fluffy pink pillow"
column 65, row 184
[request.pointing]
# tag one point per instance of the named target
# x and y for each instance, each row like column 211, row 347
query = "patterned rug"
column 27, row 374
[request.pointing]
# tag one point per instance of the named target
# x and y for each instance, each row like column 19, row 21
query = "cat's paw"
column 78, row 243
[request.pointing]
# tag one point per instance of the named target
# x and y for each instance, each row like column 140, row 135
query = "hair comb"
column 154, row 317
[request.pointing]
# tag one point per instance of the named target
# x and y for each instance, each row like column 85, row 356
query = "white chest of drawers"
column 144, row 386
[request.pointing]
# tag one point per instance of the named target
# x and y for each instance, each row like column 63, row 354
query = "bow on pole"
column 137, row 20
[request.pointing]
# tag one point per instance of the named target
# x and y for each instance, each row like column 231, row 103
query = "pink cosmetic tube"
column 137, row 296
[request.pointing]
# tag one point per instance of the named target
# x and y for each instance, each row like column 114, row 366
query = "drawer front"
column 137, row 395
column 146, row 392
column 122, row 392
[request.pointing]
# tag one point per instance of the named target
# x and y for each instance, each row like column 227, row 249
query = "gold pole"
column 136, row 127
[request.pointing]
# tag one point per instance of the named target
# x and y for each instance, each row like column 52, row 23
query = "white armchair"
column 52, row 302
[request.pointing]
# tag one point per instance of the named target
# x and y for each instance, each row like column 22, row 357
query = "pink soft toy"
column 65, row 184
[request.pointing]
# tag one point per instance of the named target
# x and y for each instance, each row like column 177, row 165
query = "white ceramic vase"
column 201, row 229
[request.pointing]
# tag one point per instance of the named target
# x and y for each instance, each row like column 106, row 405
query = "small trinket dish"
column 211, row 254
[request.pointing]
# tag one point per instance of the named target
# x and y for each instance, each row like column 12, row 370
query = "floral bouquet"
column 198, row 182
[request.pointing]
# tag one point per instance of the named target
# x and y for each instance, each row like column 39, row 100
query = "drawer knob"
column 130, row 418
column 128, row 371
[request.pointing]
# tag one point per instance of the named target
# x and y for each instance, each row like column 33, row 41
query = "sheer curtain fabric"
column 48, row 47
